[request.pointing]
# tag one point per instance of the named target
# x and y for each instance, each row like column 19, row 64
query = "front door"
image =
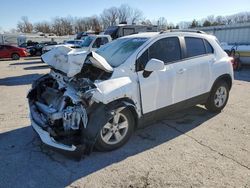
column 157, row 88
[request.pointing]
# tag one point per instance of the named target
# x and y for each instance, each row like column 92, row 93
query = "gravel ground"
column 193, row 148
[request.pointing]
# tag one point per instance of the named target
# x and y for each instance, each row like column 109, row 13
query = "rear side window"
column 194, row 46
column 209, row 48
column 167, row 49
column 8, row 47
column 104, row 40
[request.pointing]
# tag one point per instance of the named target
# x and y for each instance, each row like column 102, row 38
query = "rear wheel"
column 116, row 132
column 218, row 97
column 15, row 56
column 38, row 53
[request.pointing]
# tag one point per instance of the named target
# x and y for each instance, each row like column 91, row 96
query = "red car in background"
column 13, row 52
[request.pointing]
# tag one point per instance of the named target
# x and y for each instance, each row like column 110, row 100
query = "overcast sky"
column 174, row 11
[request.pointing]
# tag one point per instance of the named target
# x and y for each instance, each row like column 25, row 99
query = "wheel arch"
column 225, row 77
column 15, row 53
column 126, row 103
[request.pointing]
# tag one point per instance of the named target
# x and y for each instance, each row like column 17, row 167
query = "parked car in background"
column 240, row 51
column 28, row 44
column 88, row 43
column 97, row 99
column 13, row 52
column 37, row 49
column 85, row 33
column 74, row 42
column 93, row 42
column 69, row 43
column 124, row 30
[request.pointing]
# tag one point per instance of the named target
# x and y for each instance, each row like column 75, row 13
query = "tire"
column 38, row 53
column 15, row 56
column 218, row 97
column 239, row 65
column 107, row 138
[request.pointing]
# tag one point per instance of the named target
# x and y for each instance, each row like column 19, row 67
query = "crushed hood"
column 70, row 61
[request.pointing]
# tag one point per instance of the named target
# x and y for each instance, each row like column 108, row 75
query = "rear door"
column 4, row 52
column 1, row 52
column 199, row 58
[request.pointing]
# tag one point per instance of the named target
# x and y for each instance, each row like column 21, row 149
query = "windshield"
column 117, row 51
column 87, row 41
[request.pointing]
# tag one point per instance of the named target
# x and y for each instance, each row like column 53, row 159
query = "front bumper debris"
column 62, row 119
column 50, row 141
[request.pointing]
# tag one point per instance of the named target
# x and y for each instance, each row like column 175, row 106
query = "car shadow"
column 36, row 67
column 28, row 162
column 32, row 58
column 243, row 74
column 27, row 63
column 19, row 80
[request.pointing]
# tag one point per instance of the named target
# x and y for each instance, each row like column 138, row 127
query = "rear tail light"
column 231, row 60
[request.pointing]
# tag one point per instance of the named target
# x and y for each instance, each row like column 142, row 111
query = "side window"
column 97, row 43
column 142, row 61
column 209, row 48
column 167, row 49
column 195, row 46
column 1, row 47
column 104, row 40
column 128, row 31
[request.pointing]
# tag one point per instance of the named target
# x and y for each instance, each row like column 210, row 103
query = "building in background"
column 235, row 37
column 238, row 34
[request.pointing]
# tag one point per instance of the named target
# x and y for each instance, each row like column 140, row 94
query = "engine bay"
column 62, row 104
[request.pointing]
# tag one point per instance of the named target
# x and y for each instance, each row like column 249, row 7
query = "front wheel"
column 15, row 56
column 218, row 97
column 116, row 132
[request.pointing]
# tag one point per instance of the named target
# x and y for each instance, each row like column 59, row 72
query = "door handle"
column 181, row 71
column 212, row 60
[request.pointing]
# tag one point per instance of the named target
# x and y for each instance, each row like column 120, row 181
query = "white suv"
column 99, row 98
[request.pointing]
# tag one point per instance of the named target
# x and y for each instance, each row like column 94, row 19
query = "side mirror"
column 154, row 65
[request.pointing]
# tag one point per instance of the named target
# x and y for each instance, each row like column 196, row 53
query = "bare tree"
column 124, row 13
column 110, row 16
column 129, row 14
column 80, row 25
column 44, row 27
column 241, row 17
column 194, row 24
column 162, row 23
column 24, row 25
column 62, row 26
column 146, row 22
column 94, row 23
column 184, row 25
column 136, row 16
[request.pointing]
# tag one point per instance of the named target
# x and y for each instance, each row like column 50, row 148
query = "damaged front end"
column 62, row 110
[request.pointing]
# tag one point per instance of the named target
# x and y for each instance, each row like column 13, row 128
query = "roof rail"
column 184, row 30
